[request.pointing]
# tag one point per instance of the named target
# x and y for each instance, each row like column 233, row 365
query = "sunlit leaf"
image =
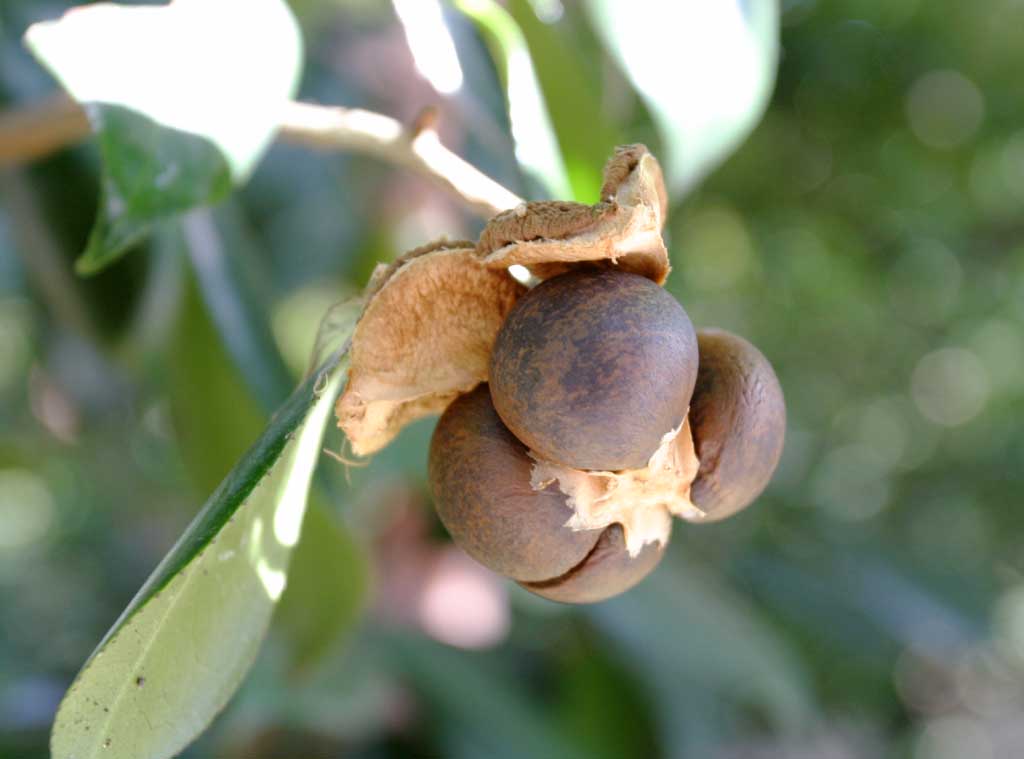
column 569, row 76
column 536, row 145
column 179, row 651
column 184, row 97
column 705, row 69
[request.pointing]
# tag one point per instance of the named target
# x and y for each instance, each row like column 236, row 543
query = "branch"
column 55, row 123
column 40, row 129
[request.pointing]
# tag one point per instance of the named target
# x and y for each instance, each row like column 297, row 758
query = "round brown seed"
column 593, row 367
column 738, row 417
column 480, row 477
column 606, row 571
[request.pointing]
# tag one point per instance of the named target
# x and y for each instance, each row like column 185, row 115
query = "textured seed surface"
column 738, row 416
column 593, row 367
column 607, row 571
column 480, row 477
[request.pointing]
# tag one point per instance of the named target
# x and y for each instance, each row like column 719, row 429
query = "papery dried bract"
column 424, row 337
column 643, row 500
column 622, row 230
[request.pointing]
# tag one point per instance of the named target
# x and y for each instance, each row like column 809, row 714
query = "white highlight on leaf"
column 27, row 509
column 705, row 69
column 431, row 44
column 220, row 69
column 536, row 148
column 193, row 641
column 273, row 579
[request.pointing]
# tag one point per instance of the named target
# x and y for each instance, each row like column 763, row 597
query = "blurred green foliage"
column 867, row 237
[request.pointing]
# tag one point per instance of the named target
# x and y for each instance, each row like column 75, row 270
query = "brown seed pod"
column 593, row 371
column 480, row 477
column 592, row 368
column 607, row 571
column 738, row 416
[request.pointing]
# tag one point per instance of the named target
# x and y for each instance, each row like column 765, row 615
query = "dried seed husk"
column 622, row 230
column 642, row 501
column 424, row 337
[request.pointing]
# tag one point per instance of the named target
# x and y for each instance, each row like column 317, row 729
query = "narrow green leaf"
column 570, row 77
column 536, row 145
column 705, row 70
column 226, row 266
column 184, row 97
column 182, row 646
column 215, row 426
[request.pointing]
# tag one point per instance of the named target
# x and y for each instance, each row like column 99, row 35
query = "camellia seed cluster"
column 581, row 415
column 591, row 371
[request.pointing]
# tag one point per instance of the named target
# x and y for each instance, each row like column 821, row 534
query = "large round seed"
column 607, row 571
column 480, row 477
column 592, row 368
column 738, row 418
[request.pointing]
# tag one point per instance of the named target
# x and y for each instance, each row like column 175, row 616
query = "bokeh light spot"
column 954, row 738
column 462, row 604
column 884, row 427
column 716, row 250
column 851, row 483
column 950, row 386
column 945, row 109
column 925, row 282
column 27, row 509
column 998, row 344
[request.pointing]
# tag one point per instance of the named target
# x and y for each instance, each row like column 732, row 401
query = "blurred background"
column 868, row 237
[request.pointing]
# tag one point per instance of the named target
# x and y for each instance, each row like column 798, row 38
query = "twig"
column 54, row 123
column 419, row 149
column 40, row 129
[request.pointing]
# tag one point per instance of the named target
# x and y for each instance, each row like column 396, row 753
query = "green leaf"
column 184, row 98
column 705, row 70
column 217, row 425
column 182, row 646
column 570, row 76
column 536, row 145
column 228, row 271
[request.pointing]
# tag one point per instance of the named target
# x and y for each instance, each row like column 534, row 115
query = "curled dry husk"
column 622, row 230
column 424, row 337
column 431, row 317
